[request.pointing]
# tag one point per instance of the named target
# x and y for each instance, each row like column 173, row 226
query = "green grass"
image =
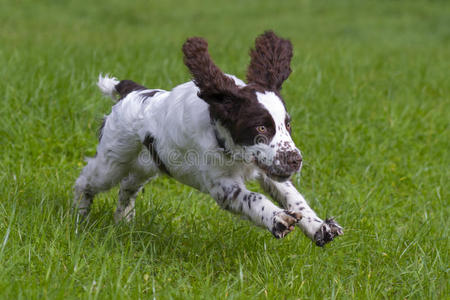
column 369, row 98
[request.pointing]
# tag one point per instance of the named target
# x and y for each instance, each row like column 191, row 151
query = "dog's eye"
column 261, row 129
column 288, row 126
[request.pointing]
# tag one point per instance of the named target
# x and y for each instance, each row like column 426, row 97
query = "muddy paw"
column 327, row 232
column 284, row 222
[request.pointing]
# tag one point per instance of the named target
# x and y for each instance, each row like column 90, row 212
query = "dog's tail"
column 107, row 86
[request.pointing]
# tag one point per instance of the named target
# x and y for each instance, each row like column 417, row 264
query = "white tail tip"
column 107, row 85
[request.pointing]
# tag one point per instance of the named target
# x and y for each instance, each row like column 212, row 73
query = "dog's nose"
column 294, row 160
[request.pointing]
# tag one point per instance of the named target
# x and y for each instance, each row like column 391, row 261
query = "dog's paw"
column 124, row 216
column 284, row 222
column 80, row 215
column 327, row 232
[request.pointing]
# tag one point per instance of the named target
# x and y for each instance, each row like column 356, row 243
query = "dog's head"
column 250, row 118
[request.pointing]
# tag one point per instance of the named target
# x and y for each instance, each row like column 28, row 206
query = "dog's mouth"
column 273, row 173
column 279, row 178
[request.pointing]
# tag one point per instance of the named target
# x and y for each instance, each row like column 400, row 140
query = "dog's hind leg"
column 100, row 174
column 142, row 171
column 129, row 189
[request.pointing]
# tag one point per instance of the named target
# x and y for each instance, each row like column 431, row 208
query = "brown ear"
column 213, row 83
column 270, row 61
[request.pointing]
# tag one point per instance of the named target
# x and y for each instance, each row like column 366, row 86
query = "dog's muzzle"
column 294, row 160
column 284, row 165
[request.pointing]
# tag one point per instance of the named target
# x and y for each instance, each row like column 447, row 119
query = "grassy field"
column 369, row 99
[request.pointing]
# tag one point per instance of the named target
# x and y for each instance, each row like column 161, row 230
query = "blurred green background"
column 369, row 99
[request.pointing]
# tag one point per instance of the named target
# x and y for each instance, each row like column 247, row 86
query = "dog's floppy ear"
column 270, row 61
column 213, row 83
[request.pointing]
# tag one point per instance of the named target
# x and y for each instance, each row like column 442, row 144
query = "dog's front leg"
column 285, row 193
column 232, row 195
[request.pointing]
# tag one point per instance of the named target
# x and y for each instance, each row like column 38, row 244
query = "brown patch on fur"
column 245, row 119
column 208, row 77
column 150, row 94
column 270, row 61
column 124, row 87
column 237, row 108
column 149, row 142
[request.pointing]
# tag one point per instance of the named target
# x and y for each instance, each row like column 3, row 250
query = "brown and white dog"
column 213, row 133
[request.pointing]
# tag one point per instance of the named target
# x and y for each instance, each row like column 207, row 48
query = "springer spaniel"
column 213, row 133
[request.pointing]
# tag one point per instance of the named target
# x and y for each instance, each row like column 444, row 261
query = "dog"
column 213, row 133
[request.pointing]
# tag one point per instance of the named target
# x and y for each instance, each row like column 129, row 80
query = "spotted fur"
column 213, row 133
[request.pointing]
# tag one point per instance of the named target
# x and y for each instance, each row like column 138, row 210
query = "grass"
column 369, row 99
